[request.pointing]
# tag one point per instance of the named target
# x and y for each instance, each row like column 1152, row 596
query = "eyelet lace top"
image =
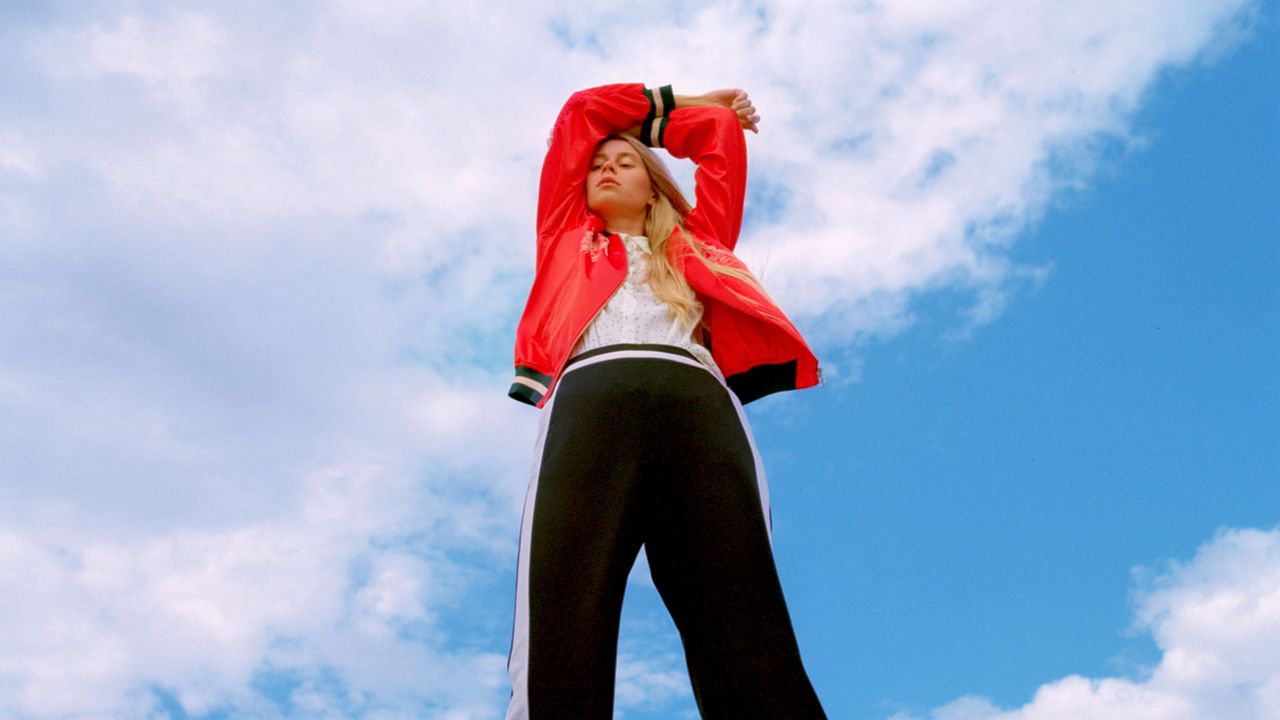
column 634, row 314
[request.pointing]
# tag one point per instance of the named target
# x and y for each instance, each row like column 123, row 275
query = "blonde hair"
column 664, row 215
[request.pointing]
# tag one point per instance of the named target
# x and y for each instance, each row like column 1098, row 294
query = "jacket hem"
column 763, row 380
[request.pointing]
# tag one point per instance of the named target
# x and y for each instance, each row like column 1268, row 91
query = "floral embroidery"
column 594, row 243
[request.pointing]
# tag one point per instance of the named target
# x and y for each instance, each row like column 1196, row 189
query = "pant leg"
column 579, row 540
column 708, row 543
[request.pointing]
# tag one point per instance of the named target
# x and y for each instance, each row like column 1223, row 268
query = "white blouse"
column 634, row 314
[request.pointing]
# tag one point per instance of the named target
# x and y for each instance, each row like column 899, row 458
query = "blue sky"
column 259, row 276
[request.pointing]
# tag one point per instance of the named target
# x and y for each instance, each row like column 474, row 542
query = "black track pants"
column 642, row 445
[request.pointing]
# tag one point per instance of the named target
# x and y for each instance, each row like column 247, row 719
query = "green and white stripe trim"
column 529, row 386
column 654, row 126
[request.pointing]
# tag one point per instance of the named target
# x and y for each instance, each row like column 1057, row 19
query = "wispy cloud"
column 259, row 274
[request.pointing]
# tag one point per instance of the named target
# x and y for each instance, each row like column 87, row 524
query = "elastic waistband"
column 632, row 351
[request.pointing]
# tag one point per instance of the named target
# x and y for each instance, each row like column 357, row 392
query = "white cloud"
column 259, row 275
column 650, row 682
column 947, row 120
column 328, row 585
column 1216, row 621
column 651, row 672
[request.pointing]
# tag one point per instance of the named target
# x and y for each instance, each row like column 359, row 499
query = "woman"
column 642, row 336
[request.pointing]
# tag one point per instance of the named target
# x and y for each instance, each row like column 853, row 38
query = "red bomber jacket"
column 579, row 266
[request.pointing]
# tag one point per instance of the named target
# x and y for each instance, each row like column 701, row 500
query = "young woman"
column 642, row 336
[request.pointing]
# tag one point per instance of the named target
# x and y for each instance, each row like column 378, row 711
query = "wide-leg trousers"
column 643, row 445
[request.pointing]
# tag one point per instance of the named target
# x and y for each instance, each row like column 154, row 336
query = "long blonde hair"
column 664, row 215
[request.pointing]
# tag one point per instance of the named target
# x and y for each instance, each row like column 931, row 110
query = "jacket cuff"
column 655, row 122
column 529, row 385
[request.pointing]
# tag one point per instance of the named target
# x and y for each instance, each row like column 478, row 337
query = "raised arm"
column 708, row 129
column 587, row 118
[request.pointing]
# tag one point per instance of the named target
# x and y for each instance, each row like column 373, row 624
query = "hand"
column 737, row 101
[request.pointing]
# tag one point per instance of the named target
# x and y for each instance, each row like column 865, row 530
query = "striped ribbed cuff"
column 529, row 386
column 654, row 126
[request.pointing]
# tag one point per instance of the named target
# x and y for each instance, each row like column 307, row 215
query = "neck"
column 630, row 224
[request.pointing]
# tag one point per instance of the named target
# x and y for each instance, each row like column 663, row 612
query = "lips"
column 607, row 182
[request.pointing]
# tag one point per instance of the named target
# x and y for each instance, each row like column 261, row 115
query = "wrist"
column 690, row 100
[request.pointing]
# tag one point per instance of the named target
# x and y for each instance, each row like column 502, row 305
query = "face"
column 618, row 183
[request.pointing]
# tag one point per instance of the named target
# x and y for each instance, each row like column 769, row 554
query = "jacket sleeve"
column 712, row 137
column 587, row 118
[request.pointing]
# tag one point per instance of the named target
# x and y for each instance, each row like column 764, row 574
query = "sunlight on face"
column 617, row 183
